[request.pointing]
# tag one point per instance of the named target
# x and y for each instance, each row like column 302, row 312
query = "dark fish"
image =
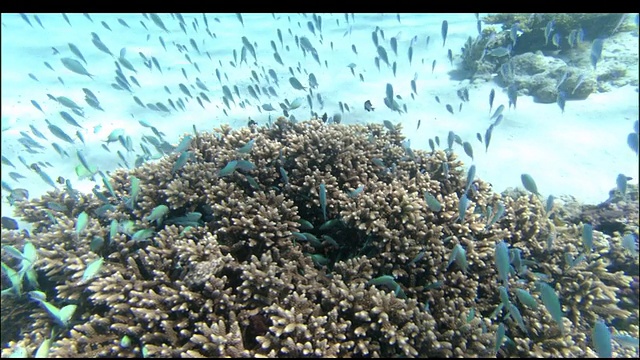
column 66, row 18
column 632, row 141
column 433, row 65
column 25, row 18
column 69, row 119
column 185, row 90
column 596, row 51
column 123, row 23
column 492, row 96
column 445, row 29
column 100, row 45
column 368, row 106
column 156, row 19
column 9, row 223
column 497, row 112
column 296, row 84
column 382, row 53
column 450, row 56
column 239, row 16
column 561, row 100
column 449, row 108
column 106, row 25
column 487, row 138
column 468, row 149
column 394, row 45
column 76, row 52
column 512, row 93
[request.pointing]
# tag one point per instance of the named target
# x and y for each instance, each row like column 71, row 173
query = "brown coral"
column 235, row 271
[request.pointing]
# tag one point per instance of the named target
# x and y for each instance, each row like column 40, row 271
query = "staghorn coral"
column 247, row 277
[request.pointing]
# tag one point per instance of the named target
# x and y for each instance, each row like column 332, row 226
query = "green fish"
column 81, row 223
column 552, row 303
column 228, row 169
column 93, row 268
column 157, row 214
column 529, row 183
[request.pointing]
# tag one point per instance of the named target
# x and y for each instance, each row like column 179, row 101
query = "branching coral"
column 244, row 262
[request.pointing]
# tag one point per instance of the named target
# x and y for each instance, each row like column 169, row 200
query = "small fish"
column 81, row 223
column 529, row 183
column 450, row 56
column 498, row 111
column 228, row 169
column 596, row 51
column 561, row 100
column 578, row 83
column 443, row 31
column 547, row 31
column 389, row 282
column 181, row 161
column 157, row 214
column 629, row 244
column 487, row 137
column 247, row 147
column 621, row 183
column 93, row 268
column 296, row 84
column 587, row 237
column 632, row 141
column 512, row 93
column 9, row 224
column 75, row 66
column 552, row 303
column 99, row 44
column 382, row 54
column 458, row 254
column 525, row 298
column 449, row 108
column 626, row 340
column 368, row 106
column 555, row 39
column 433, row 65
column 322, row 194
column 74, row 49
column 59, row 133
column 433, row 203
column 601, row 339
column 463, row 204
column 502, row 262
column 492, row 96
column 156, row 20
column 468, row 149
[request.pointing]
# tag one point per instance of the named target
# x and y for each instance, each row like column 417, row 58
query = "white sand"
column 579, row 152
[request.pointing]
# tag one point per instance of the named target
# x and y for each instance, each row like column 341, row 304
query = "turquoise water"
column 202, row 80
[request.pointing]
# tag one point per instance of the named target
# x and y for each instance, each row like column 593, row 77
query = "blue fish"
column 601, row 339
column 502, row 262
column 596, row 52
column 323, row 200
column 462, row 207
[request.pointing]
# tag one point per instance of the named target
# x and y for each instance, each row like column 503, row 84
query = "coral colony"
column 312, row 239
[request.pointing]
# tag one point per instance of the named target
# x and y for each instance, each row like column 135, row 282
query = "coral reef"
column 543, row 61
column 327, row 246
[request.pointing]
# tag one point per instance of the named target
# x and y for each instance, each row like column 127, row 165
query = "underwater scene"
column 320, row 185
